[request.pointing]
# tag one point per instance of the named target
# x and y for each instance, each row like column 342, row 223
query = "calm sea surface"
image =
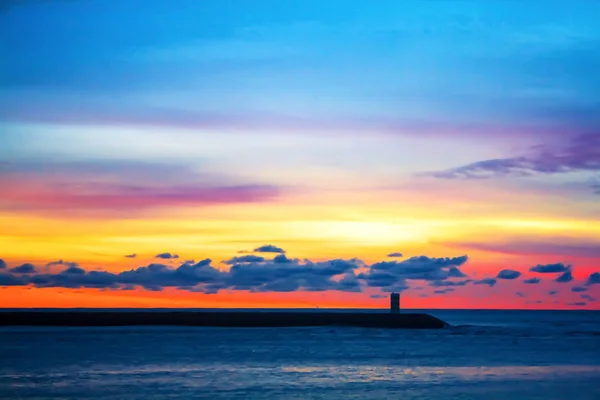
column 485, row 355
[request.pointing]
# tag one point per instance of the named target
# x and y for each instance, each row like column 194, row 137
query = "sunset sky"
column 299, row 153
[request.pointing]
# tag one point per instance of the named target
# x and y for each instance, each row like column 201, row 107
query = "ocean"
column 483, row 355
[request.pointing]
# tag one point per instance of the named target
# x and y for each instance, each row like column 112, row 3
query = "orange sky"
column 318, row 230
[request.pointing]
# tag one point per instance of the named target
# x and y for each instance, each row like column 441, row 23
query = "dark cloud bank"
column 280, row 273
column 252, row 273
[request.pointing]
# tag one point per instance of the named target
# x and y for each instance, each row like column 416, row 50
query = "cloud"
column 131, row 255
column 578, row 303
column 265, row 276
column 392, row 275
column 577, row 289
column 24, row 269
column 454, row 272
column 151, row 277
column 560, row 246
column 159, row 276
column 486, row 281
column 110, row 187
column 449, row 283
column 532, row 281
column 253, row 273
column 12, row 280
column 250, row 258
column 395, row 255
column 550, row 268
column 553, row 292
column 256, row 274
column 443, row 291
column 588, row 297
column 565, row 277
column 62, row 262
column 508, row 274
column 2, row 264
column 520, row 294
column 281, row 259
column 595, row 185
column 310, row 276
column 269, row 248
column 166, row 256
column 593, row 279
column 581, row 153
column 74, row 269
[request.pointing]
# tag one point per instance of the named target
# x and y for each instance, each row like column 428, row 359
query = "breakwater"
column 245, row 319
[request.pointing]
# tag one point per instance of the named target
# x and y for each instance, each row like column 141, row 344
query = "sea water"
column 484, row 355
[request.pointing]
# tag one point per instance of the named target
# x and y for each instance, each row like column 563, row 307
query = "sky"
column 300, row 154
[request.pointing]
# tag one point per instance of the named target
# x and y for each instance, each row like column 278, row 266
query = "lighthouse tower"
column 395, row 303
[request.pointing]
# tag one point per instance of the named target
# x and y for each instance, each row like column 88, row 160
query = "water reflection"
column 440, row 374
column 235, row 377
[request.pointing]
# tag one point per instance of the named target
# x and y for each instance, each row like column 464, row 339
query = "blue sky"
column 484, row 70
column 427, row 62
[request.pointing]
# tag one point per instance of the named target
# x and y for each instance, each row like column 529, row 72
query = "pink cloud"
column 110, row 189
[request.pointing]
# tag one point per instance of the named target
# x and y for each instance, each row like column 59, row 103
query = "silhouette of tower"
column 395, row 303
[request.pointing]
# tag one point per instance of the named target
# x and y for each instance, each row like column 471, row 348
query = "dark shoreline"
column 245, row 319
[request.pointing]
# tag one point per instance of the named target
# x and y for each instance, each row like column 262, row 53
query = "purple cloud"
column 595, row 185
column 581, row 153
column 560, row 246
column 117, row 187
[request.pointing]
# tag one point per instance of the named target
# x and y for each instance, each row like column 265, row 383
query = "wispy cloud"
column 528, row 245
column 581, row 153
column 112, row 187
